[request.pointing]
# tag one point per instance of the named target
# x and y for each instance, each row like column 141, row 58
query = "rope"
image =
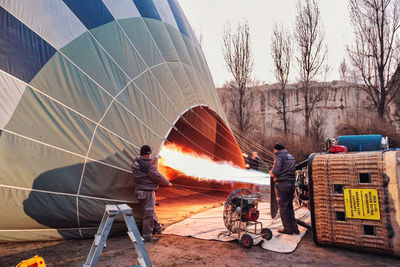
column 266, row 161
column 240, row 134
column 223, row 126
column 204, row 189
column 194, row 127
column 248, row 149
column 182, row 94
column 253, row 146
column 132, row 81
column 250, row 140
column 205, row 195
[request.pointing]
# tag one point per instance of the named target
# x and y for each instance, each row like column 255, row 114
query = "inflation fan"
column 241, row 215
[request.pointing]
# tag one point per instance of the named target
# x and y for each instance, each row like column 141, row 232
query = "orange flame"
column 178, row 161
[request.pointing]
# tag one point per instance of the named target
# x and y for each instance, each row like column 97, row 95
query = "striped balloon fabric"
column 83, row 84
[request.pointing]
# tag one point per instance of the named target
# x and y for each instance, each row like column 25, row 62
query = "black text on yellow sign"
column 362, row 204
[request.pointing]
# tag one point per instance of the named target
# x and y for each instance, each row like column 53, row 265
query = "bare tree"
column 318, row 123
column 281, row 51
column 343, row 69
column 370, row 124
column 241, row 110
column 375, row 51
column 309, row 36
column 396, row 99
column 238, row 58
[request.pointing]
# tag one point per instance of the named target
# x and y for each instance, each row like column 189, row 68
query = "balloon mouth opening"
column 202, row 132
column 200, row 129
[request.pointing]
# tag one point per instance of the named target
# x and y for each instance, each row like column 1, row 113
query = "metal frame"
column 104, row 229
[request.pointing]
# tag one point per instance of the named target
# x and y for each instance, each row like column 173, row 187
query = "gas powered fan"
column 241, row 215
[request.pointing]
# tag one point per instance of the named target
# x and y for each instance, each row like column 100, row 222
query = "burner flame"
column 176, row 160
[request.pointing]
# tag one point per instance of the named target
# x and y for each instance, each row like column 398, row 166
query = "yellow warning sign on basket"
column 362, row 204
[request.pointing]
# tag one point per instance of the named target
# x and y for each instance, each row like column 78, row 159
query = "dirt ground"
column 173, row 250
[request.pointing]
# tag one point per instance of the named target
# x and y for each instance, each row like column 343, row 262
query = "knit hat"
column 279, row 146
column 145, row 150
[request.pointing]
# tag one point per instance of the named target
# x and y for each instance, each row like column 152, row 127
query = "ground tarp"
column 209, row 224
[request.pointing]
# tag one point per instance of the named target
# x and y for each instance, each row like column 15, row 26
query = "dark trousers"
column 150, row 221
column 284, row 196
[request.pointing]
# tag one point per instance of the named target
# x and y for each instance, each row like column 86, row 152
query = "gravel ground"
column 173, row 250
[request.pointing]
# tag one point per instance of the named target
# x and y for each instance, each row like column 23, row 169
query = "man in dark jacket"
column 147, row 180
column 283, row 173
column 254, row 161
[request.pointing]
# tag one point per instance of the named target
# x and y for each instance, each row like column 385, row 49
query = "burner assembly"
column 241, row 215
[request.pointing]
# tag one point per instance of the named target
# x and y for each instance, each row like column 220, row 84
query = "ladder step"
column 112, row 209
column 100, row 238
column 125, row 209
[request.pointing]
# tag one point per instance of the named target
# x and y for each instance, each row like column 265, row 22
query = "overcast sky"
column 210, row 16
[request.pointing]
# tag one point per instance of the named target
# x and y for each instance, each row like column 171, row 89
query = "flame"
column 177, row 160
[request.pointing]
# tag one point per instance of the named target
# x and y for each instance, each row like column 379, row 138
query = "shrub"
column 370, row 124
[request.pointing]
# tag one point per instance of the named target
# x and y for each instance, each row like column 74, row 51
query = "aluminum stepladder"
column 104, row 229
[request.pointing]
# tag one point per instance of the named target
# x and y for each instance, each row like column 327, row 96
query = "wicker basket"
column 355, row 201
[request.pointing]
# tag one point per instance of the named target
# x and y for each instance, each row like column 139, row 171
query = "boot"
column 158, row 230
column 151, row 239
column 286, row 232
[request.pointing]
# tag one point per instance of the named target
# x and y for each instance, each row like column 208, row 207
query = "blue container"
column 361, row 142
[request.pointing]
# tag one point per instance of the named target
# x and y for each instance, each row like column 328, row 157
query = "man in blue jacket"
column 147, row 181
column 283, row 173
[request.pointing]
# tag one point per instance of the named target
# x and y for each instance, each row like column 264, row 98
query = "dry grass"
column 370, row 123
column 299, row 146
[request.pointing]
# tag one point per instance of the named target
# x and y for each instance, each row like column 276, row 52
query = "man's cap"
column 145, row 150
column 279, row 146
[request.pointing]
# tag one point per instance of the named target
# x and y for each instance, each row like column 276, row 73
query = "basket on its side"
column 355, row 200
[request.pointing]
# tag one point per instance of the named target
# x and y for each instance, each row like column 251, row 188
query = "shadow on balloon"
column 55, row 203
